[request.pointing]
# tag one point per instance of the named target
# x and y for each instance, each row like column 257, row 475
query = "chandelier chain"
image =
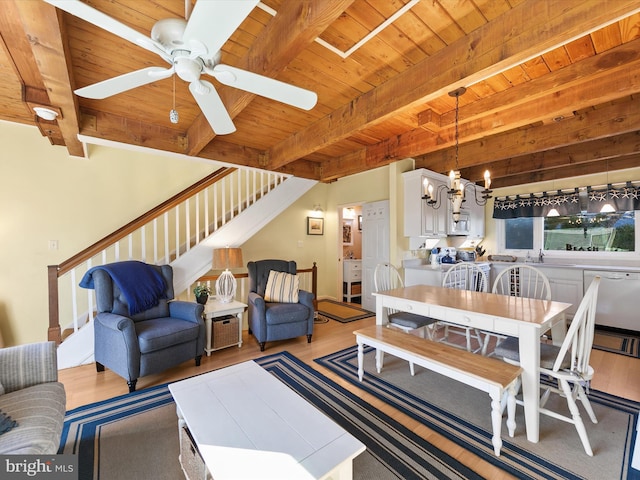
column 457, row 133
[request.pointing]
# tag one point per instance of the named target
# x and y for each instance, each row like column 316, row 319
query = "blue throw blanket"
column 141, row 284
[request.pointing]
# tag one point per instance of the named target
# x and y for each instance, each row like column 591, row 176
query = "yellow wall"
column 47, row 195
column 279, row 239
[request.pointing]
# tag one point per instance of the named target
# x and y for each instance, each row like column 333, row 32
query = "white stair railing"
column 159, row 237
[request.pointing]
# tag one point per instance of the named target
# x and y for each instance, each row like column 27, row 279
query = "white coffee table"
column 215, row 309
column 247, row 425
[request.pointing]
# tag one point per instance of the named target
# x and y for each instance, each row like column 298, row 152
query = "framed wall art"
column 347, row 232
column 315, row 226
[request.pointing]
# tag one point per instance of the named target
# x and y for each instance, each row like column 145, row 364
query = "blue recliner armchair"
column 270, row 321
column 156, row 334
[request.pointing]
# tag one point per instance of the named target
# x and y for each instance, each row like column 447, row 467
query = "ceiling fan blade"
column 99, row 19
column 212, row 22
column 212, row 107
column 265, row 86
column 125, row 82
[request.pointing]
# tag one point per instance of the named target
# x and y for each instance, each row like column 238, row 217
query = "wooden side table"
column 215, row 309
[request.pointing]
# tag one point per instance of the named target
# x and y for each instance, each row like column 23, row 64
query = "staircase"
column 225, row 209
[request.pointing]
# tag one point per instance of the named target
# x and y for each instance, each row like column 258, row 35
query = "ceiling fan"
column 191, row 48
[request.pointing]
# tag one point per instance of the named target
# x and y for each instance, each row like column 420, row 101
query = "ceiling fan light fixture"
column 188, row 69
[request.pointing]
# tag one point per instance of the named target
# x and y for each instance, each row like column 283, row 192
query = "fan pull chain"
column 173, row 114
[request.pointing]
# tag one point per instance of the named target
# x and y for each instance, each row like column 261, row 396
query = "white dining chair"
column 523, row 281
column 567, row 365
column 387, row 277
column 464, row 276
column 518, row 281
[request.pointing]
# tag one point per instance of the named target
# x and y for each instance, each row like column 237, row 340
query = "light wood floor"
column 615, row 374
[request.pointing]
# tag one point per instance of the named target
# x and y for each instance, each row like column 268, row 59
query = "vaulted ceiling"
column 552, row 85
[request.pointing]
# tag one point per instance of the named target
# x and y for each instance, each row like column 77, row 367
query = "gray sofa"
column 33, row 397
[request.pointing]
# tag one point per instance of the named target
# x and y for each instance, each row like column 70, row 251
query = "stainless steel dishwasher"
column 617, row 298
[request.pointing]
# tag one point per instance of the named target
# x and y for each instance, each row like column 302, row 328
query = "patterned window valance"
column 623, row 198
column 537, row 204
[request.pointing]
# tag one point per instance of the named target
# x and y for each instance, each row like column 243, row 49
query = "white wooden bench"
column 486, row 374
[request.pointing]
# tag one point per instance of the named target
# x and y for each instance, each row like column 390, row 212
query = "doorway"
column 350, row 253
column 364, row 243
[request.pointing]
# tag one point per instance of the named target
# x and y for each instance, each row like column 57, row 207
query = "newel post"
column 53, row 333
column 314, row 285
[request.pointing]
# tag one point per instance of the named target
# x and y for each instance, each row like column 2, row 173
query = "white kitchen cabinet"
column 476, row 228
column 566, row 286
column 352, row 279
column 566, row 283
column 423, row 276
column 421, row 220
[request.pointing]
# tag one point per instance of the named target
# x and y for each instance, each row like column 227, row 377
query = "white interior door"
column 375, row 246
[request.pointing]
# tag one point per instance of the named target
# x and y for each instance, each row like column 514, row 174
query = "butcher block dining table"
column 524, row 318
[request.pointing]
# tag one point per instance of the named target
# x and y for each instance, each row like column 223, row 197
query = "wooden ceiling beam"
column 18, row 48
column 609, row 120
column 45, row 31
column 304, row 169
column 566, row 84
column 511, row 39
column 573, row 155
column 569, row 171
column 582, row 86
column 222, row 151
column 346, row 165
column 556, row 105
column 132, row 132
column 296, row 25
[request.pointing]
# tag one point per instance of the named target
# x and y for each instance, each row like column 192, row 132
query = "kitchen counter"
column 576, row 266
column 568, row 281
column 420, row 264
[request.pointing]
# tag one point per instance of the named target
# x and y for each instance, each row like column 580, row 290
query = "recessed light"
column 45, row 113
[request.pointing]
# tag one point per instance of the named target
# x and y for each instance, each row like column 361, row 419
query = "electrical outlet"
column 53, row 244
column 300, row 244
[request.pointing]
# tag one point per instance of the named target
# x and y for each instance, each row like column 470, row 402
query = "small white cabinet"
column 421, row 220
column 352, row 279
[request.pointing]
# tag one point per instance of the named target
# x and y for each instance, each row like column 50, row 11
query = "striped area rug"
column 462, row 414
column 623, row 343
column 342, row 312
column 136, row 435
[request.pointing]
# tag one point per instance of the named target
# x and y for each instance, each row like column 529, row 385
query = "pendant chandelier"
column 456, row 189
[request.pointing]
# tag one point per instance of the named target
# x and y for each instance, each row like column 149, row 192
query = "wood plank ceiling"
column 552, row 85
